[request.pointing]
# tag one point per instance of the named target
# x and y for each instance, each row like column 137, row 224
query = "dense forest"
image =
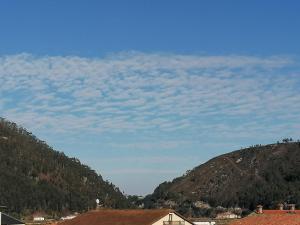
column 34, row 177
column 242, row 179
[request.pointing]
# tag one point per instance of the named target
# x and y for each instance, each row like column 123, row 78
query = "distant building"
column 205, row 223
column 38, row 217
column 129, row 217
column 201, row 205
column 9, row 220
column 227, row 215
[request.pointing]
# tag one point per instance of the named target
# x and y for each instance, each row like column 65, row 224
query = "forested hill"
column 34, row 177
column 264, row 175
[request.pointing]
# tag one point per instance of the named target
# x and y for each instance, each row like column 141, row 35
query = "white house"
column 227, row 215
column 38, row 218
column 204, row 223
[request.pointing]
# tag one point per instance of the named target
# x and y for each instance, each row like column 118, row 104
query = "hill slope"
column 245, row 178
column 34, row 177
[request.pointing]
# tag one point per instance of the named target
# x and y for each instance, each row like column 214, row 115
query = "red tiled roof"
column 280, row 211
column 271, row 217
column 118, row 217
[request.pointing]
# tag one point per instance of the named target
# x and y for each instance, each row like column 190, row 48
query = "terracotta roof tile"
column 118, row 217
column 271, row 217
column 280, row 211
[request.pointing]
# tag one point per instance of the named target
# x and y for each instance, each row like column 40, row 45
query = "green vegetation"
column 34, row 177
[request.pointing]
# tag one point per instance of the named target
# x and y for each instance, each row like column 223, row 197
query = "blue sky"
column 144, row 90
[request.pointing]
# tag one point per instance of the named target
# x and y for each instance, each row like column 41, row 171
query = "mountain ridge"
column 240, row 179
column 35, row 177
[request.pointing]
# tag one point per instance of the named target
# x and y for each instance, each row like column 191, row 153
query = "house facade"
column 172, row 218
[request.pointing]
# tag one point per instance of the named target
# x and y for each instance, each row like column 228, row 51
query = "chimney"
column 280, row 206
column 291, row 207
column 259, row 209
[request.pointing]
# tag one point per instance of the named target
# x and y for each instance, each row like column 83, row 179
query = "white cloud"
column 135, row 92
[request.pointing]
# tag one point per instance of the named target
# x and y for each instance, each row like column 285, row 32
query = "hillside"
column 245, row 178
column 34, row 177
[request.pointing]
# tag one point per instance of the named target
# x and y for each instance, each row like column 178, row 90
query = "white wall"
column 38, row 218
column 174, row 218
column 204, row 223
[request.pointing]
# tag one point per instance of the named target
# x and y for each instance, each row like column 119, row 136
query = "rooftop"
column 271, row 217
column 281, row 212
column 119, row 217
